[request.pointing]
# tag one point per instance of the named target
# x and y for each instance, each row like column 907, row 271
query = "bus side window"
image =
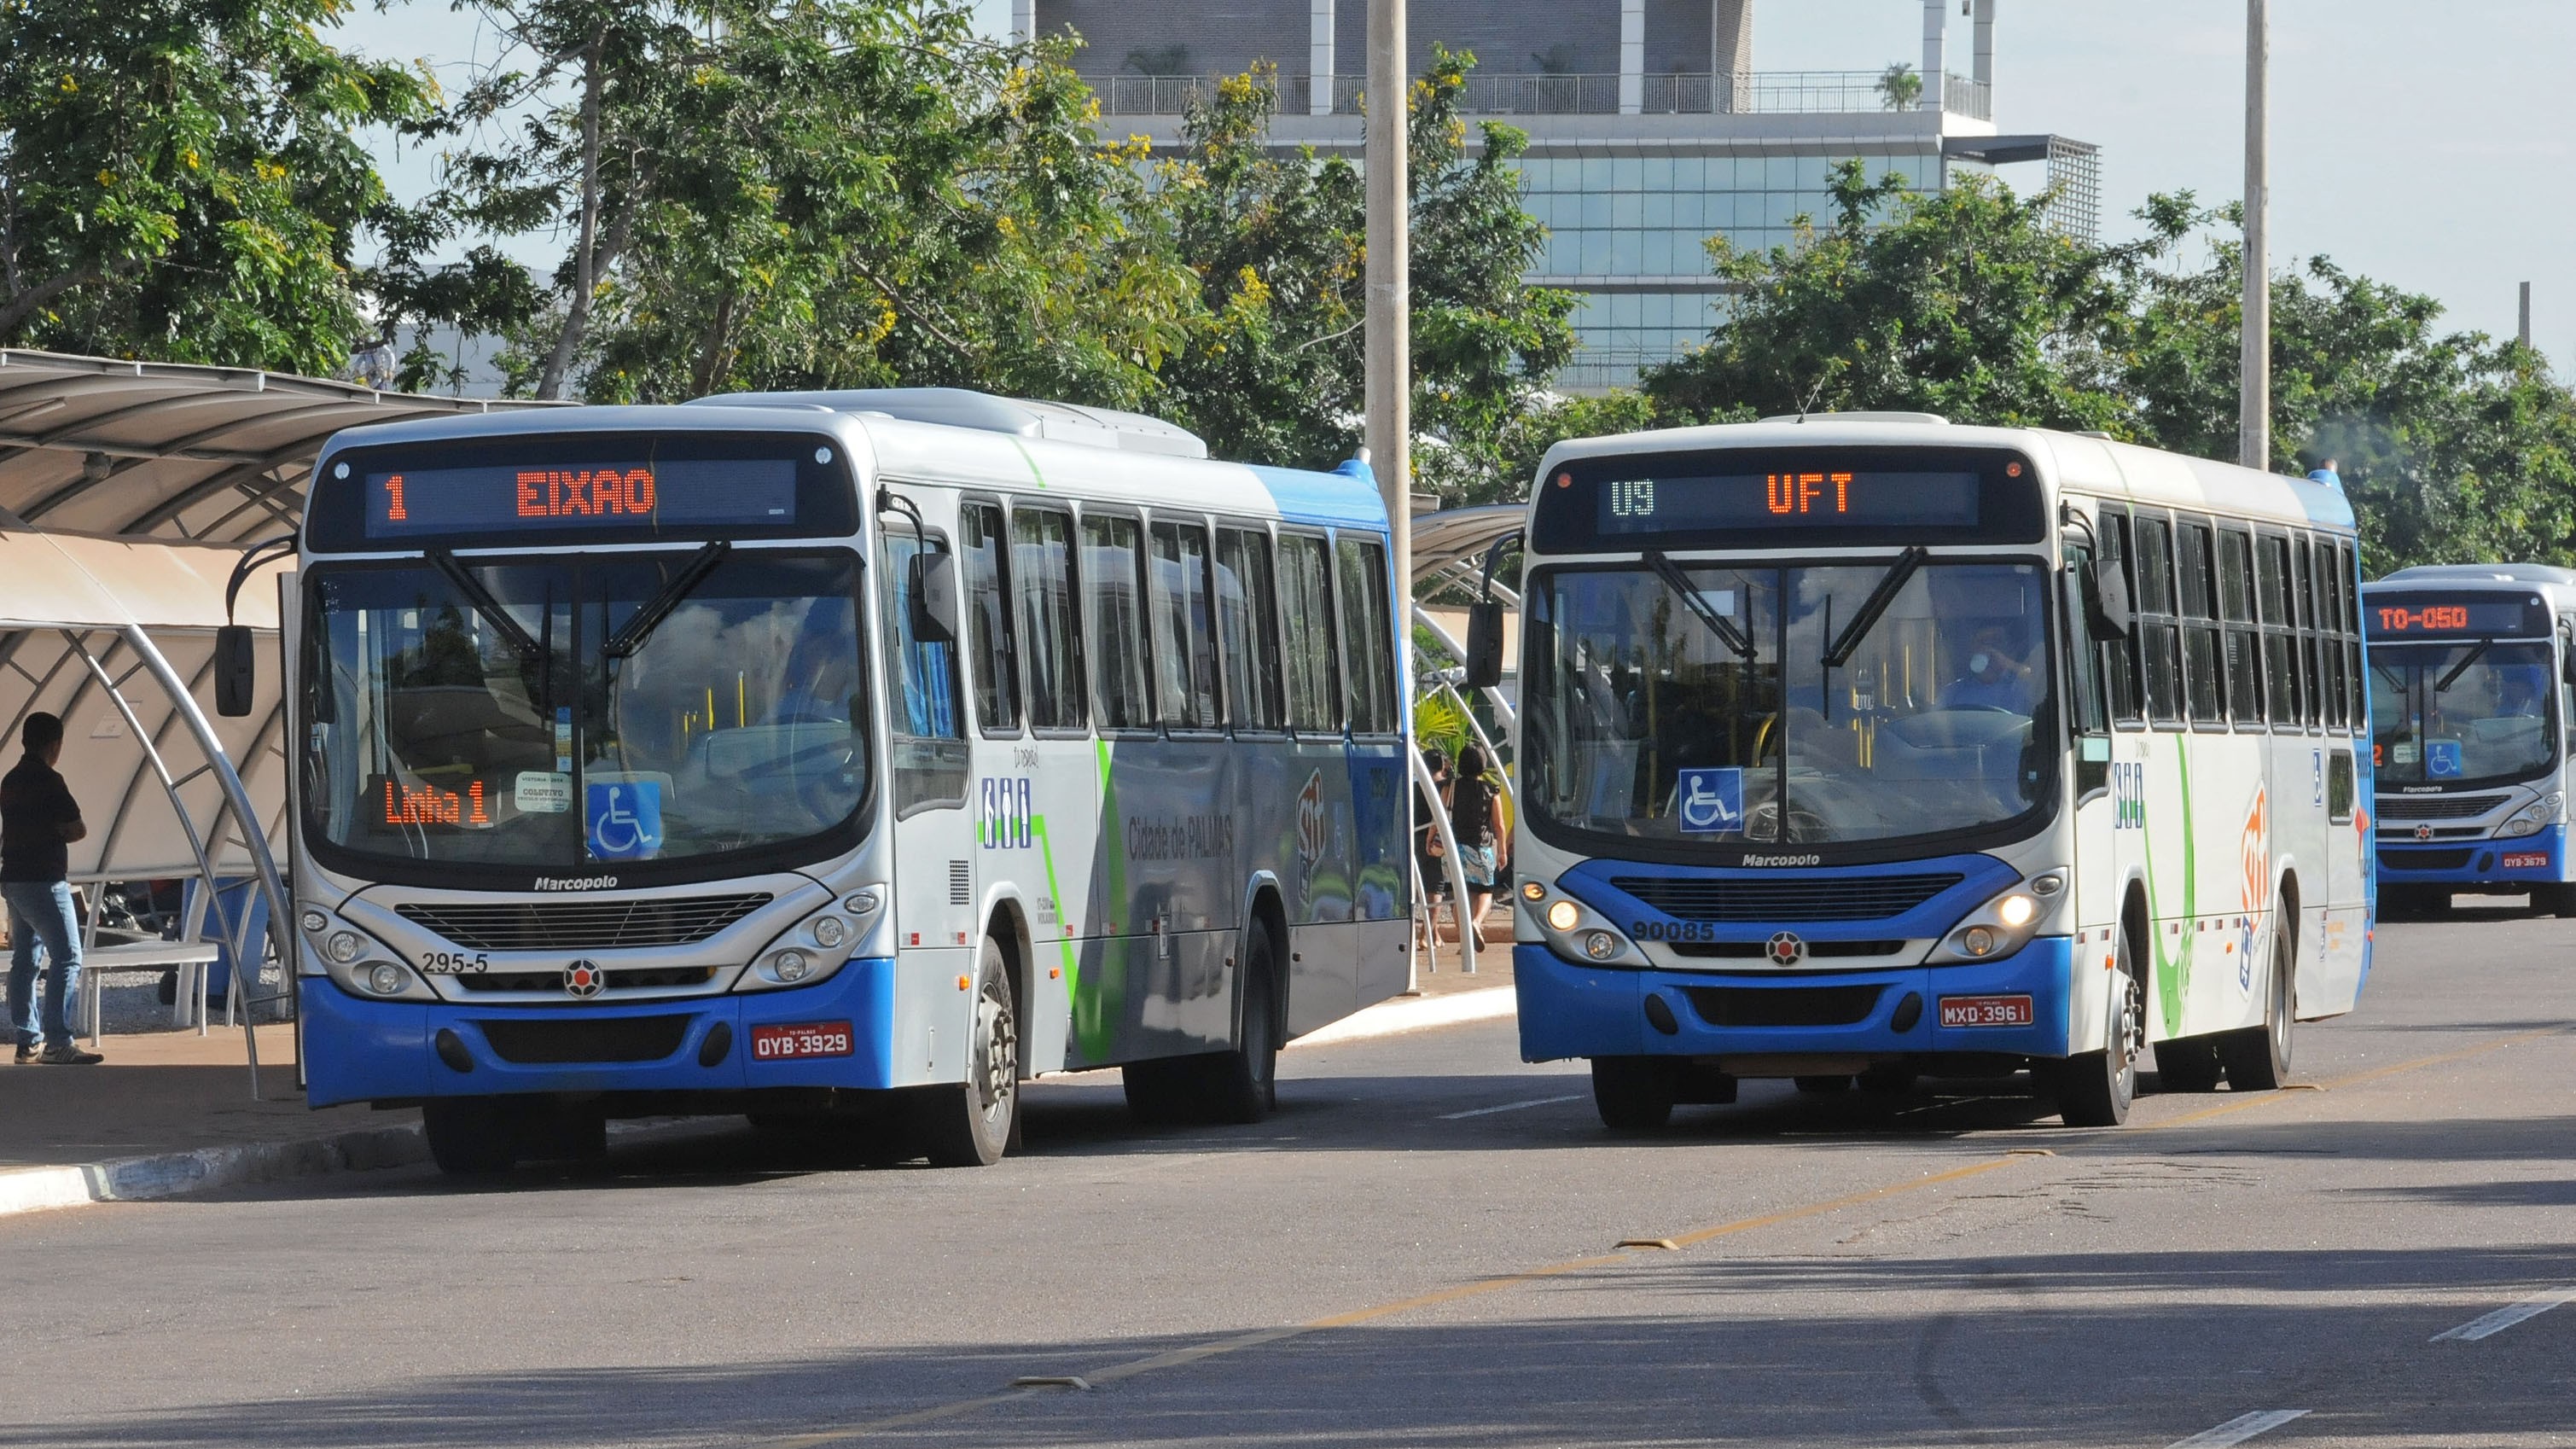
column 2329, row 587
column 2204, row 685
column 988, row 618
column 927, row 734
column 2089, row 717
column 2356, row 710
column 2155, row 604
column 2339, row 787
column 1247, row 620
column 1042, row 565
column 1184, row 635
column 2280, row 642
column 1306, row 616
column 1370, row 662
column 2120, row 656
column 1121, row 688
column 2244, row 645
column 2303, row 601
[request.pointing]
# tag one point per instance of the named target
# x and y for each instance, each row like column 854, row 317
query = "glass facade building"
column 1649, row 129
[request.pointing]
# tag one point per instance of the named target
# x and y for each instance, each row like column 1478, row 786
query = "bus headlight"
column 1576, row 933
column 2003, row 924
column 1564, row 916
column 363, row 966
column 828, row 931
column 343, row 947
column 814, row 948
column 384, row 978
column 2531, row 818
column 787, row 968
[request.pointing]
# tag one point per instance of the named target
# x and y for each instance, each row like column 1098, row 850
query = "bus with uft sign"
column 834, row 757
column 1861, row 748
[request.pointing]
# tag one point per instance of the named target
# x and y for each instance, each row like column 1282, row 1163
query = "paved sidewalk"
column 172, row 1112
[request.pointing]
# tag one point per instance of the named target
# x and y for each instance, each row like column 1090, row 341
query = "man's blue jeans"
column 41, row 911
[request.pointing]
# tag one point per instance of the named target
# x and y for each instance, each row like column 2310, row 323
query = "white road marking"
column 2239, row 1429
column 1509, row 1107
column 2503, row 1318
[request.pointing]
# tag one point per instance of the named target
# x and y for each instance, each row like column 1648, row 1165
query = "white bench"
column 189, row 958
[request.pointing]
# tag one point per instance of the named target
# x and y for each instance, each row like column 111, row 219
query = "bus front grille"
column 581, row 925
column 1837, row 898
column 1753, row 950
column 2436, row 807
column 2395, row 859
column 613, row 1039
column 636, row 978
column 1783, row 1005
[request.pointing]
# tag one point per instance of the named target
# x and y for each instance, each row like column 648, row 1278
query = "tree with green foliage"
column 182, row 179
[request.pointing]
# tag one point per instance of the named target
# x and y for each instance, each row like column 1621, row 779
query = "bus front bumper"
column 1570, row 1010
column 358, row 1050
column 2510, row 865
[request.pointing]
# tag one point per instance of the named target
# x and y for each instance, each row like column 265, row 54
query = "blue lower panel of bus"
column 2535, row 858
column 1570, row 1010
column 360, row 1051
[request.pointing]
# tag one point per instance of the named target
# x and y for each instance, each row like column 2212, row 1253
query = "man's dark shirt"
column 35, row 805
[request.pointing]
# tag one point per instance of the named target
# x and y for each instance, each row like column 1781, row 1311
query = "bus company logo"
column 1783, row 860
column 575, row 883
column 1785, row 949
column 1312, row 827
column 1007, row 821
column 2255, row 848
column 2423, row 832
column 583, row 979
column 2129, row 795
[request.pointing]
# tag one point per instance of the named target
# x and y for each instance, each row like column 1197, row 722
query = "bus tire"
column 471, row 1136
column 1890, row 1079
column 969, row 1124
column 2557, row 899
column 2187, row 1064
column 1823, row 1086
column 1634, row 1094
column 1242, row 1085
column 2095, row 1088
column 2258, row 1057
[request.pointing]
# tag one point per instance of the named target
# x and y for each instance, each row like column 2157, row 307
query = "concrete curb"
column 1419, row 1013
column 207, row 1169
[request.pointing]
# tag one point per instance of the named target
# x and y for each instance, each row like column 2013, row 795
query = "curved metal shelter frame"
column 1449, row 548
column 128, row 493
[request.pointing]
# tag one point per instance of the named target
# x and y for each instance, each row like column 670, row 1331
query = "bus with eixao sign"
column 1861, row 748
column 832, row 758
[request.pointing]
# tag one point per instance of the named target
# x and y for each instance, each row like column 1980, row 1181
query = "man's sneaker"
column 69, row 1056
column 26, row 1053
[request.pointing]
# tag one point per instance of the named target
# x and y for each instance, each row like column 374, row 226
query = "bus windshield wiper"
column 2453, row 677
column 640, row 626
column 520, row 641
column 1840, row 651
column 1726, row 630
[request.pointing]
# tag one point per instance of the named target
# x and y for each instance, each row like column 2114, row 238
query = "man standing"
column 38, row 820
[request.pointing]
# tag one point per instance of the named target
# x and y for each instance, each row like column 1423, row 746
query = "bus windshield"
column 519, row 713
column 1736, row 705
column 2471, row 712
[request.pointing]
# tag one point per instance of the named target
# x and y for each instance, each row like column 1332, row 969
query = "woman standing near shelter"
column 1476, row 817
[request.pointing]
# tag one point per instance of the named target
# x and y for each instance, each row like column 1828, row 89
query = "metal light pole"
column 1388, row 331
column 2254, row 416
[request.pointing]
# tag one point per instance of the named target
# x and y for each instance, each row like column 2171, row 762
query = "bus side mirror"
column 1484, row 644
column 934, row 598
column 2108, row 600
column 236, row 672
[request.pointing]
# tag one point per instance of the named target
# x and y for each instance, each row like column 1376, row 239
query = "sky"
column 2423, row 143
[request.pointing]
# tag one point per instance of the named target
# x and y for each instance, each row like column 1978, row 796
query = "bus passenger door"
column 936, row 936
column 2101, row 807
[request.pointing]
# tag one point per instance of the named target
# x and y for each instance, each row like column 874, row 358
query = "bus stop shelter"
column 129, row 492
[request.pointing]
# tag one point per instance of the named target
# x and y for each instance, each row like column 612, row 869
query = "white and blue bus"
column 2470, row 701
column 833, row 755
column 1868, row 747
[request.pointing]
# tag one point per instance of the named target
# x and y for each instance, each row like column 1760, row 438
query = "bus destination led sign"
column 641, row 495
column 2409, row 615
column 1799, row 498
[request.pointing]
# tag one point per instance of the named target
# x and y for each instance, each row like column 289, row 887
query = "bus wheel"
column 969, row 1124
column 2189, row 1064
column 1823, row 1086
column 2094, row 1088
column 1243, row 1084
column 2258, row 1057
column 471, row 1136
column 1633, row 1094
column 2558, row 900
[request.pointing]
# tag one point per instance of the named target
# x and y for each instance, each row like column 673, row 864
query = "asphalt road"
column 1420, row 1249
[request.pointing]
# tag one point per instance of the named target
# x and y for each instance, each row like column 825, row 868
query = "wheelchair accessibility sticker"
column 625, row 819
column 1710, row 802
column 2442, row 759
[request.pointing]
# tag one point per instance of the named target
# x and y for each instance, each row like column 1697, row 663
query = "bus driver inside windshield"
column 1994, row 677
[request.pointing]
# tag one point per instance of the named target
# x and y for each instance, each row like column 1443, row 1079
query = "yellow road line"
column 1480, row 1287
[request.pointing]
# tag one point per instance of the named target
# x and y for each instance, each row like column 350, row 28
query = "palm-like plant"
column 1900, row 87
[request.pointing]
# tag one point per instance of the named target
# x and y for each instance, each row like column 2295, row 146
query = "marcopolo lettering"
column 575, row 883
column 1784, row 860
